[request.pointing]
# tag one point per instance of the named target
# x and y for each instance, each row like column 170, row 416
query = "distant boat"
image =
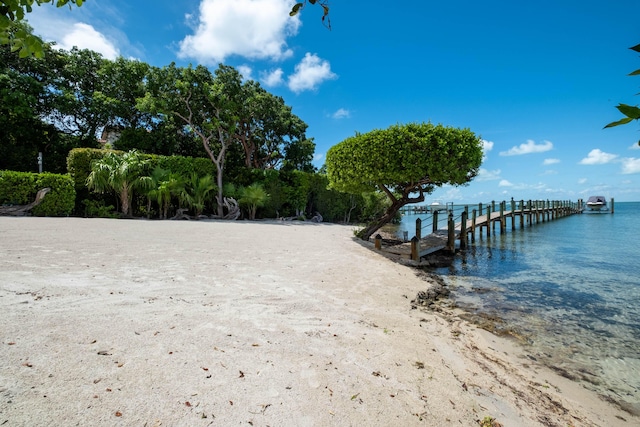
column 597, row 203
column 436, row 206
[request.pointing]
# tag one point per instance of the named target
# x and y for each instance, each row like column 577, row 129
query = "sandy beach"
column 199, row 323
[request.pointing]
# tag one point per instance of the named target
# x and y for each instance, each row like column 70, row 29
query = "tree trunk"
column 384, row 219
column 124, row 198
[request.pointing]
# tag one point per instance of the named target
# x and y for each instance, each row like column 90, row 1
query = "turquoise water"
column 570, row 287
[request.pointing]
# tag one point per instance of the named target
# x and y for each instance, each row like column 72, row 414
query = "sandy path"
column 115, row 322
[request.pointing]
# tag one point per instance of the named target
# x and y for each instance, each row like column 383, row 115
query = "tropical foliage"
column 253, row 197
column 182, row 120
column 122, row 174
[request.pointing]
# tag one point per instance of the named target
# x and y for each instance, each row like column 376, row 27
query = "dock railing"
column 460, row 222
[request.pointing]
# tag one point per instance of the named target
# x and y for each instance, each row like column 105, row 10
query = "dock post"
column 488, row 222
column 415, row 248
column 473, row 226
column 513, row 214
column 521, row 213
column 463, row 229
column 503, row 221
column 451, row 235
column 612, row 205
column 419, row 228
column 435, row 222
column 493, row 209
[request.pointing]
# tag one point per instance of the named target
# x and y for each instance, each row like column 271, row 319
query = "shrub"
column 20, row 188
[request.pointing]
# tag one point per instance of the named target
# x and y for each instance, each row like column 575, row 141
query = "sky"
column 537, row 81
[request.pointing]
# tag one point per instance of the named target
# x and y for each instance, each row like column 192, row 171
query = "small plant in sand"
column 489, row 422
column 253, row 197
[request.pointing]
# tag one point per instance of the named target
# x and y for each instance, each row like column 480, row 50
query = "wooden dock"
column 463, row 225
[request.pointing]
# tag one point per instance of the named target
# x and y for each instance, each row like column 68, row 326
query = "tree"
column 206, row 105
column 26, row 99
column 82, row 109
column 122, row 174
column 12, row 13
column 405, row 162
column 267, row 129
column 631, row 112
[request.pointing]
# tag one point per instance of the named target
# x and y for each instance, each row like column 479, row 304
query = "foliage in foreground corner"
column 12, row 13
column 630, row 112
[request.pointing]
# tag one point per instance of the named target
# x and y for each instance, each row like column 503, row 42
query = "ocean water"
column 569, row 289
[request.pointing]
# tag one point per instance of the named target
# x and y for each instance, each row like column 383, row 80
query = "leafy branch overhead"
column 12, row 13
column 630, row 112
column 324, row 4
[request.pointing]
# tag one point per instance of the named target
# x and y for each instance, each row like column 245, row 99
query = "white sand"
column 130, row 322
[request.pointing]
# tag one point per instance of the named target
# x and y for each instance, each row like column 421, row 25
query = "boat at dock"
column 597, row 204
column 436, row 206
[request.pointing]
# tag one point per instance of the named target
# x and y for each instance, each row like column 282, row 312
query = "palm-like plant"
column 197, row 190
column 165, row 185
column 120, row 173
column 253, row 197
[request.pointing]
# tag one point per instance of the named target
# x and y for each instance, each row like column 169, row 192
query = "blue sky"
column 536, row 80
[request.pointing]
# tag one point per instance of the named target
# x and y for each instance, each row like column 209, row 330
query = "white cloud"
column 272, row 78
column 486, row 147
column 582, row 181
column 246, row 72
column 487, row 175
column 254, row 29
column 635, row 146
column 528, row 147
column 341, row 113
column 598, row 157
column 84, row 36
column 548, row 162
column 505, row 183
column 317, row 157
column 309, row 73
column 630, row 165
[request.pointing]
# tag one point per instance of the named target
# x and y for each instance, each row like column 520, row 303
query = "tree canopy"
column 405, row 162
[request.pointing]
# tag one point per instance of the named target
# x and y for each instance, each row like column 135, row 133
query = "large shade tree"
column 268, row 131
column 206, row 104
column 405, row 162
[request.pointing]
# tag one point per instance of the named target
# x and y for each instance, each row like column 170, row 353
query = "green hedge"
column 20, row 188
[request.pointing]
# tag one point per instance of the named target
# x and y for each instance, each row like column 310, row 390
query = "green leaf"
column 635, row 73
column 619, row 122
column 629, row 111
column 295, row 9
column 636, row 48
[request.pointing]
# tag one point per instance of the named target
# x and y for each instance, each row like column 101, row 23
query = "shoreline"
column 213, row 322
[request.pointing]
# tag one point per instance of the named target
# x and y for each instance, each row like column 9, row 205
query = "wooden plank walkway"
column 530, row 213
